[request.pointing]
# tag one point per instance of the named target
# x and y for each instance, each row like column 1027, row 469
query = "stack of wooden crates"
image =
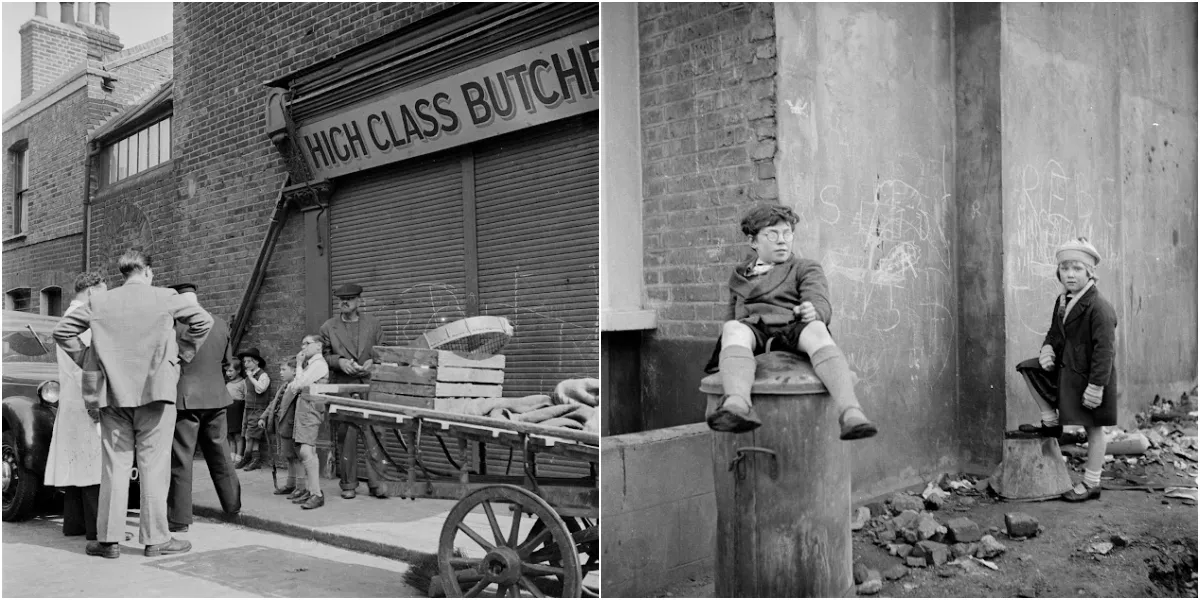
column 434, row 379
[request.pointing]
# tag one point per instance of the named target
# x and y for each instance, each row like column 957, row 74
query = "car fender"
column 33, row 425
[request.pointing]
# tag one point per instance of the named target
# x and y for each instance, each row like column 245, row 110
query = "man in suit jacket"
column 131, row 382
column 200, row 418
column 347, row 340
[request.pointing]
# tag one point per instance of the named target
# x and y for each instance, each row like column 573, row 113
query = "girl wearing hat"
column 1073, row 380
column 257, row 383
column 235, row 384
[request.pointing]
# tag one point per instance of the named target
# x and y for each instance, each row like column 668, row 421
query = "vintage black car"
column 30, row 402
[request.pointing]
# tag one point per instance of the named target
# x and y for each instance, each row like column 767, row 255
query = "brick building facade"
column 75, row 76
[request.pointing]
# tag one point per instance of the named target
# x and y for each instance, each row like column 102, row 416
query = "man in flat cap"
column 200, row 418
column 347, row 340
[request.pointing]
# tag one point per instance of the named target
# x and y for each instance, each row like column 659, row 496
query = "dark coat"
column 338, row 341
column 1084, row 352
column 202, row 381
column 769, row 298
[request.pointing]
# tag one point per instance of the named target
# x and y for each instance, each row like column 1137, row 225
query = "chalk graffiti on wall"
column 1053, row 204
column 890, row 270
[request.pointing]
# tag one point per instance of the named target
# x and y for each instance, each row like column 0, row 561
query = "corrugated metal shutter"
column 537, row 218
column 398, row 232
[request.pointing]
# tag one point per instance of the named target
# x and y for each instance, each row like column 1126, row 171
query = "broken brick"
column 963, row 529
column 1020, row 525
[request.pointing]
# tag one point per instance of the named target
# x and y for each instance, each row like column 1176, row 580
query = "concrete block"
column 612, row 474
column 696, row 530
column 654, row 463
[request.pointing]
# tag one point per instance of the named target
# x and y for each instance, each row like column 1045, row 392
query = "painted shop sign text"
column 542, row 84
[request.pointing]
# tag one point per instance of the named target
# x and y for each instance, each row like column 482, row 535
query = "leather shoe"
column 726, row 420
column 302, row 497
column 314, row 501
column 1042, row 430
column 856, row 426
column 172, row 547
column 178, row 528
column 296, row 493
column 379, row 492
column 112, row 550
column 285, row 491
column 1089, row 493
column 349, row 494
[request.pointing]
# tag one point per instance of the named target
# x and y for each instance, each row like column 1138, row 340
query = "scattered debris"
column 861, row 516
column 861, row 573
column 902, row 502
column 987, row 563
column 989, row 547
column 870, row 588
column 933, row 553
column 1120, row 540
column 1182, row 492
column 1100, row 548
column 928, row 528
column 1020, row 525
column 895, row 572
column 913, row 561
column 906, row 519
column 963, row 529
column 1124, row 444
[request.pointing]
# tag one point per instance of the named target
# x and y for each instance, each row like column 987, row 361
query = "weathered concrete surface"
column 1099, row 140
column 658, row 509
column 866, row 157
column 978, row 169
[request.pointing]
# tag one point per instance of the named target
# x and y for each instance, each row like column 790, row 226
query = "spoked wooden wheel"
column 510, row 566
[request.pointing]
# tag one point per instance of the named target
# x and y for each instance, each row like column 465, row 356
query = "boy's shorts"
column 309, row 416
column 781, row 337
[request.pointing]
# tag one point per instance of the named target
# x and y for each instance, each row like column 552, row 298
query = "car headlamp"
column 48, row 392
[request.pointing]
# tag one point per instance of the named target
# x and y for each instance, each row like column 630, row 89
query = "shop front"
column 453, row 171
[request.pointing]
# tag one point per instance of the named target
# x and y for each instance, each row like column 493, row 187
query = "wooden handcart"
column 537, row 544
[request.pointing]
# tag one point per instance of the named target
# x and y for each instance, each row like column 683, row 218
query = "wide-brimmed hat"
column 1079, row 249
column 253, row 352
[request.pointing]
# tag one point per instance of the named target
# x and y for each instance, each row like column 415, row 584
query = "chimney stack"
column 102, row 15
column 52, row 49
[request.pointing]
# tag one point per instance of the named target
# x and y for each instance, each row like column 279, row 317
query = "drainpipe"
column 278, row 219
column 93, row 151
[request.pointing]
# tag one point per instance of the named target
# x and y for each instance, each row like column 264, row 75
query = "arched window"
column 51, row 301
column 18, row 299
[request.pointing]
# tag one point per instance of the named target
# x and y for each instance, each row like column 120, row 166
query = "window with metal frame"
column 139, row 151
column 51, row 301
column 19, row 300
column 20, row 214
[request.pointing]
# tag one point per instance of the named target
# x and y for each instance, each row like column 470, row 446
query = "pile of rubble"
column 906, row 526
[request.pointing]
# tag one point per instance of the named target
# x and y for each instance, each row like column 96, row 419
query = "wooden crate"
column 419, row 376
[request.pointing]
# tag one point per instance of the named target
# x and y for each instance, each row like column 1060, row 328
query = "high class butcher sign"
column 542, row 84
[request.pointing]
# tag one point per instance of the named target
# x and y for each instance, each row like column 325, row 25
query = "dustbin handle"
column 735, row 465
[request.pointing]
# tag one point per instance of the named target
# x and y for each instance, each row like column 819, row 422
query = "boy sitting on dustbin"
column 778, row 300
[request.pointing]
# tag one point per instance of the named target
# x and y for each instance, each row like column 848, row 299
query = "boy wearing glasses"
column 778, row 298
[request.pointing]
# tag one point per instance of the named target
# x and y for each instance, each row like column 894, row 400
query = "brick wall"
column 228, row 175
column 708, row 148
column 138, row 77
column 56, row 150
column 28, row 268
column 123, row 216
column 48, row 51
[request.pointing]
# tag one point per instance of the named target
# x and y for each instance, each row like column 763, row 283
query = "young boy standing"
column 279, row 418
column 306, row 423
column 779, row 298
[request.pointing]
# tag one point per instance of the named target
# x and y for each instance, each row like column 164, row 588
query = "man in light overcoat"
column 130, row 378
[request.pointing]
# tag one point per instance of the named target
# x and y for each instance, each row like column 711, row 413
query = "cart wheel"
column 587, row 542
column 511, row 564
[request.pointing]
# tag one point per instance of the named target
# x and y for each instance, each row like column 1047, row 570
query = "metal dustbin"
column 783, row 490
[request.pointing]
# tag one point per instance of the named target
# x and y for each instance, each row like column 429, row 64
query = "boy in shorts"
column 307, row 422
column 779, row 299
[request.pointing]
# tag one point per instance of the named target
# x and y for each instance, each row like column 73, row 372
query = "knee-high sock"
column 831, row 366
column 1097, row 445
column 737, row 367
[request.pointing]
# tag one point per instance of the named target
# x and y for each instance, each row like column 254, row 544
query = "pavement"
column 395, row 528
column 226, row 561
